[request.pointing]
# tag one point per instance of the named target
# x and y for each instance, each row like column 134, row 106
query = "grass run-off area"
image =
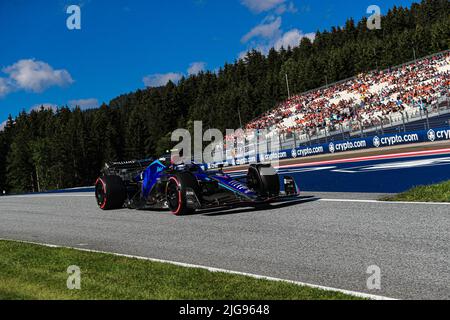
column 433, row 193
column 35, row 272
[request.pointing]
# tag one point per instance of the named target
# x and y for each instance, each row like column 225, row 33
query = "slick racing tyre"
column 110, row 192
column 177, row 186
column 264, row 180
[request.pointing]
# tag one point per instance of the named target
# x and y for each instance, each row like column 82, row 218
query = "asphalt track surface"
column 327, row 239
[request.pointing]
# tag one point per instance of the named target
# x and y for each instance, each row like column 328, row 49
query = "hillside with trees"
column 45, row 149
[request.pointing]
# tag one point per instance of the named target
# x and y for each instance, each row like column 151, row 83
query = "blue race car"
column 183, row 189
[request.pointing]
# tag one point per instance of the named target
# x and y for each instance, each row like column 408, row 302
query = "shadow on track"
column 237, row 210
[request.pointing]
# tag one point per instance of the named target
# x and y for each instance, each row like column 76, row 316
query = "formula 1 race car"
column 148, row 184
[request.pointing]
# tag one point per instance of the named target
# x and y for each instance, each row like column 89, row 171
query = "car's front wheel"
column 264, row 180
column 176, row 190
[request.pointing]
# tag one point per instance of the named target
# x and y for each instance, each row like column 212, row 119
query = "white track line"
column 319, row 199
column 49, row 195
column 211, row 269
column 88, row 195
column 384, row 202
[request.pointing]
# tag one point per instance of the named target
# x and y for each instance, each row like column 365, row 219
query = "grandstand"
column 411, row 96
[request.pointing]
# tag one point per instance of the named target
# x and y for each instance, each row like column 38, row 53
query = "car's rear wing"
column 127, row 170
column 134, row 164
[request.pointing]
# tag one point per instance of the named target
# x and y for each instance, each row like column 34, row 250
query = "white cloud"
column 3, row 125
column 269, row 34
column 91, row 103
column 82, row 103
column 5, row 87
column 264, row 30
column 161, row 79
column 46, row 106
column 36, row 76
column 242, row 54
column 286, row 8
column 196, row 68
column 292, row 39
column 158, row 80
column 258, row 6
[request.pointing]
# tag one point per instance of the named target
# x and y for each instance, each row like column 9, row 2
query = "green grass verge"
column 433, row 193
column 32, row 272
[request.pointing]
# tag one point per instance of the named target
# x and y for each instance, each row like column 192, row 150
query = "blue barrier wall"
column 389, row 140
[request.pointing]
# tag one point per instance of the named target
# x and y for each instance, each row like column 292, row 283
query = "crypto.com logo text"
column 250, row 145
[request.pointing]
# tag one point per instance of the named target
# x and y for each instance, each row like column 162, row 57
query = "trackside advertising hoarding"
column 389, row 140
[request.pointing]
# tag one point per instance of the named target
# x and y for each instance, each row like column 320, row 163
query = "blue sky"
column 126, row 45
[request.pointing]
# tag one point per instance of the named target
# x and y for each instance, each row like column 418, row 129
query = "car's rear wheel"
column 176, row 190
column 110, row 192
column 264, row 180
